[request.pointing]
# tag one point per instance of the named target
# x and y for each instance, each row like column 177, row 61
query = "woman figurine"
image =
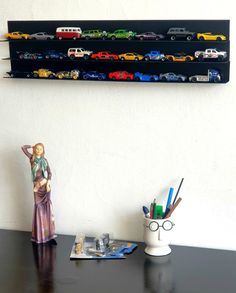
column 43, row 229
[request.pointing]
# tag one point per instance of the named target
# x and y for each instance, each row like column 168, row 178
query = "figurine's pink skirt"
column 43, row 227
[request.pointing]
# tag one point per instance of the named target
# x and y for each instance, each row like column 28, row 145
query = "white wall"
column 114, row 146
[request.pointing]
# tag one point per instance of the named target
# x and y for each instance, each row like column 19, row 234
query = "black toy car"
column 29, row 56
column 180, row 33
column 21, row 74
column 149, row 36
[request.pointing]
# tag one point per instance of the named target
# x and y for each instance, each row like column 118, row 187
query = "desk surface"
column 44, row 268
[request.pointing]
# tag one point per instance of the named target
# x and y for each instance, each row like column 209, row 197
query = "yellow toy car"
column 179, row 57
column 17, row 36
column 210, row 37
column 131, row 56
column 43, row 73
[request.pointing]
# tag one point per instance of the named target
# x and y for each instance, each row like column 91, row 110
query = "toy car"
column 154, row 55
column 180, row 33
column 41, row 36
column 78, row 53
column 179, row 57
column 170, row 76
column 210, row 54
column 68, row 33
column 17, row 36
column 210, row 37
column 52, row 54
column 29, row 56
column 121, row 34
column 73, row 74
column 145, row 77
column 93, row 75
column 121, row 75
column 131, row 56
column 43, row 73
column 93, row 34
column 104, row 55
column 16, row 73
column 150, row 36
column 213, row 75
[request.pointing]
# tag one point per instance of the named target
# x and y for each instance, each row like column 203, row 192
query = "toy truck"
column 78, row 53
column 210, row 54
column 213, row 75
column 180, row 33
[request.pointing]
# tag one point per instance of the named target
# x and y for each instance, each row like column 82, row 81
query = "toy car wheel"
column 28, row 75
column 188, row 58
column 113, row 78
column 97, row 58
column 201, row 38
column 61, row 57
column 220, row 58
column 170, row 59
column 48, row 38
column 85, row 76
column 21, row 56
column 216, row 79
column 34, row 57
column 129, row 38
column 111, row 58
column 122, row 58
column 200, row 57
column 74, row 38
column 193, row 79
column 86, row 57
column 157, row 38
column 179, row 79
column 163, row 78
column 35, row 75
column 104, row 38
column 136, row 59
column 189, row 38
column 60, row 38
column 51, row 76
column 128, row 78
column 72, row 57
column 163, row 59
column 172, row 38
column 75, row 77
column 113, row 37
column 152, row 79
column 33, row 38
column 147, row 58
column 141, row 38
column 137, row 78
column 60, row 76
column 99, row 77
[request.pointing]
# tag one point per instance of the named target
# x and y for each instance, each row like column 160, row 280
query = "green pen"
column 159, row 211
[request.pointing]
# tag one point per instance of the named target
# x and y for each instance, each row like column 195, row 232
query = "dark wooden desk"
column 26, row 268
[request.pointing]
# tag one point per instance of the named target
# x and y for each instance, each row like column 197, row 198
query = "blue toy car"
column 52, row 54
column 170, row 76
column 145, row 77
column 154, row 55
column 93, row 75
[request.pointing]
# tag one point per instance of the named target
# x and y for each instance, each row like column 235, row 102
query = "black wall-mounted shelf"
column 121, row 46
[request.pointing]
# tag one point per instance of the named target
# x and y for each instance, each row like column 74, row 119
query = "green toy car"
column 93, row 34
column 121, row 34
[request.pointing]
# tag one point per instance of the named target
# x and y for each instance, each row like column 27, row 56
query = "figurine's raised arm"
column 25, row 150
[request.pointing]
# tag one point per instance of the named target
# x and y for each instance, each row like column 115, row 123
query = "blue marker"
column 146, row 212
column 171, row 191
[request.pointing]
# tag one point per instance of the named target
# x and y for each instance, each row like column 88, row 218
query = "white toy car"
column 78, row 53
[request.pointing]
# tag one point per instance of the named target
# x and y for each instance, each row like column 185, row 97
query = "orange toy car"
column 179, row 57
column 17, row 36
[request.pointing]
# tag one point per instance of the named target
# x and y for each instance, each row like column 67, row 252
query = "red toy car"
column 104, row 55
column 121, row 75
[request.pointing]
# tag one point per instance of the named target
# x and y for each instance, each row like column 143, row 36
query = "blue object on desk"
column 171, row 191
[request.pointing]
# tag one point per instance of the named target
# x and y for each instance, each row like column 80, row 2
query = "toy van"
column 68, row 33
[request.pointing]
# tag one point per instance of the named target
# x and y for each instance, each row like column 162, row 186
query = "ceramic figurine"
column 43, row 228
